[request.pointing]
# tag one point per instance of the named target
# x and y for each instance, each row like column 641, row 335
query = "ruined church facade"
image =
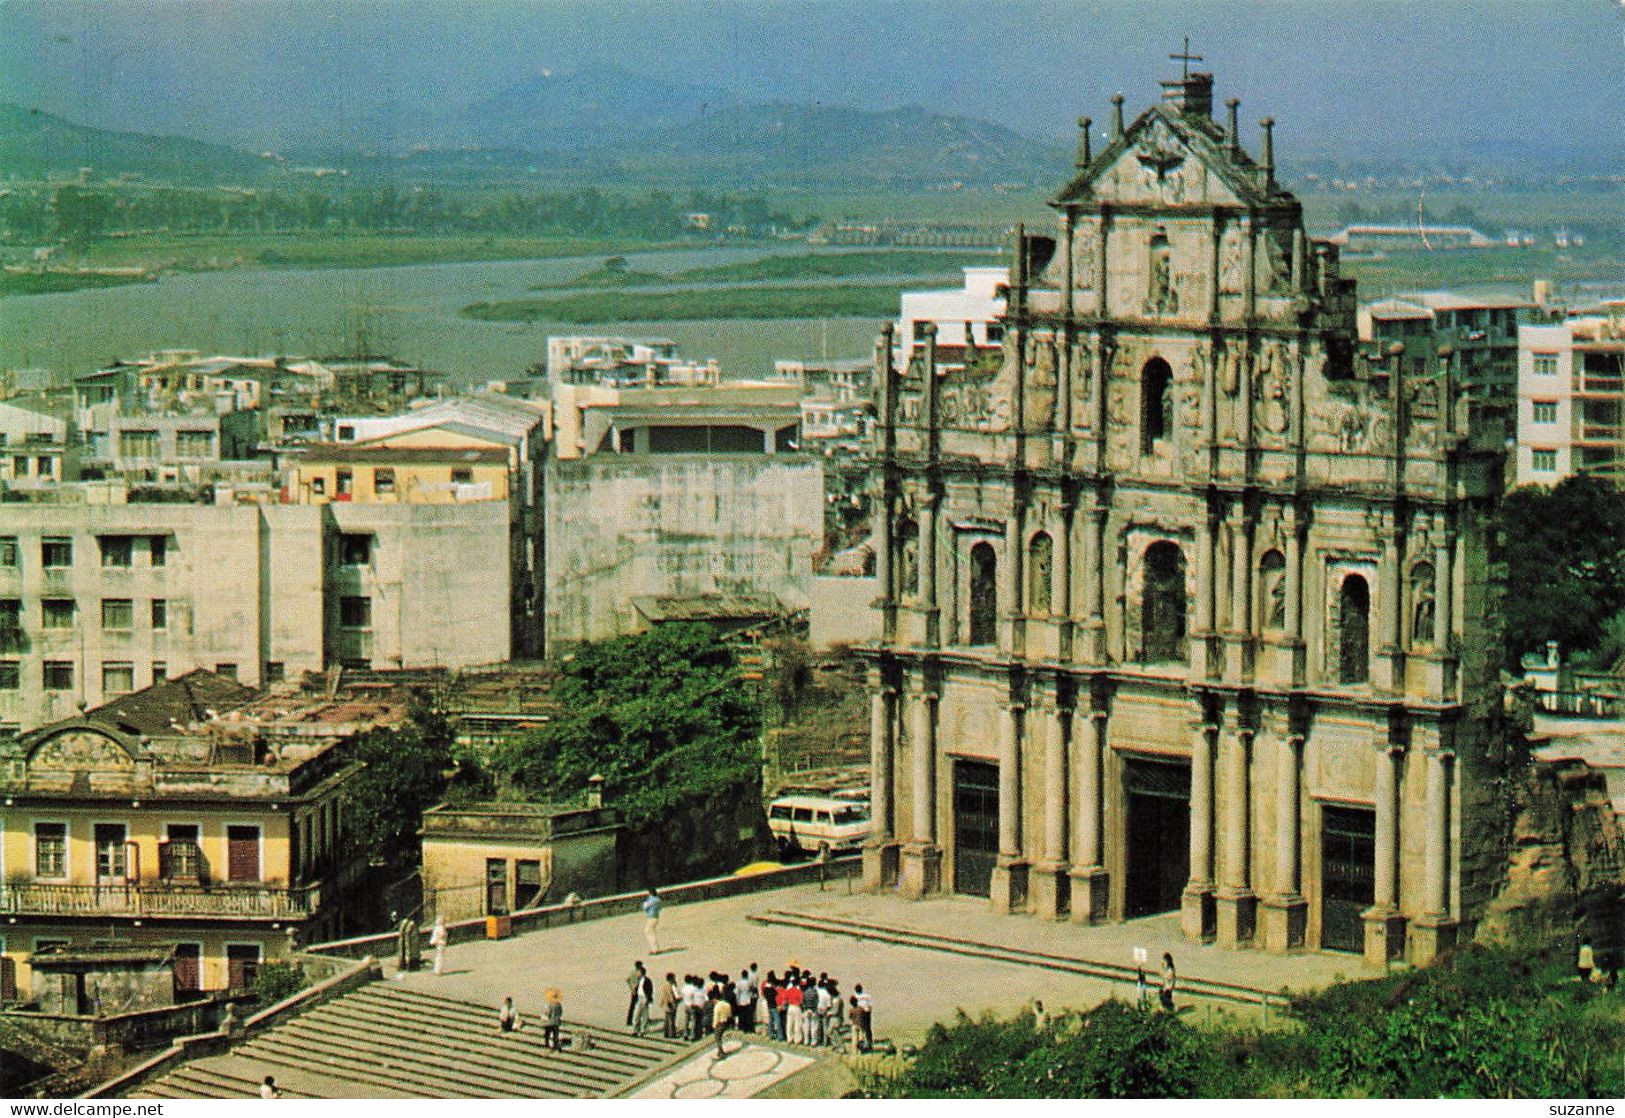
column 1185, row 599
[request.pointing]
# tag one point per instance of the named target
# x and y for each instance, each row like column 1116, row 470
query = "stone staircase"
column 385, row 1041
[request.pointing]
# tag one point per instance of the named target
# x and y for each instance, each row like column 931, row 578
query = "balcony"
column 158, row 899
column 1593, row 384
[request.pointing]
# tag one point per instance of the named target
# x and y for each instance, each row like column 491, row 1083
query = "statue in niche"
column 1161, row 296
column 1231, row 272
column 908, row 557
column 1084, row 244
column 1235, row 361
column 1423, row 613
column 1275, row 263
column 1273, row 574
column 1274, row 390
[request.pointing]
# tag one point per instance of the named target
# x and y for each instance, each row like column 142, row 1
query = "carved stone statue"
column 1423, row 612
column 1232, row 275
column 1274, row 390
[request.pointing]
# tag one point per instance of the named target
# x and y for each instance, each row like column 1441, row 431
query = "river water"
column 409, row 312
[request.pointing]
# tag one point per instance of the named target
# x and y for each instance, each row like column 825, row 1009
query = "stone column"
column 1196, row 911
column 1235, row 903
column 1201, row 637
column 927, row 505
column 1009, row 893
column 880, row 851
column 921, row 857
column 1095, row 587
column 1384, row 926
column 881, row 534
column 1089, row 878
column 1434, row 932
column 1238, row 661
column 1062, row 575
column 1386, row 610
column 1014, row 599
column 1294, row 598
column 1050, row 879
column 1284, row 914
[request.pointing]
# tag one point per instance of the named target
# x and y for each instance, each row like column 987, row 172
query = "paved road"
column 912, row 987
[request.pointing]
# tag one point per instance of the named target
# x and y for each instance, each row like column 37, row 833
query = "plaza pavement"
column 912, row 987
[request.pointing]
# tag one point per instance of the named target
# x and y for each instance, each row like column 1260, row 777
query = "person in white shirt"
column 438, row 940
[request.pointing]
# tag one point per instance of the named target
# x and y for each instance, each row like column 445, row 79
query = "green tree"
column 277, row 981
column 408, row 770
column 1565, row 556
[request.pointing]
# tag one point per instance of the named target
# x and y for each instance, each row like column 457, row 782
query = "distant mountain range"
column 604, row 124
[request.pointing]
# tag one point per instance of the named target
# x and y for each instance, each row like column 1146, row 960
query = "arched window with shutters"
column 984, row 595
column 1040, row 572
column 1354, row 631
column 1156, row 404
column 1163, row 604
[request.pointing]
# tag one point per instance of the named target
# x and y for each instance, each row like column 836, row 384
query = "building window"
column 138, row 444
column 11, row 615
column 58, row 613
column 194, row 444
column 118, row 613
column 180, row 856
column 242, row 965
column 50, row 850
column 355, row 549
column 1545, row 364
column 275, row 671
column 158, row 549
column 56, row 551
column 11, row 676
column 496, row 886
column 355, row 612
column 1163, row 604
column 58, row 675
column 462, row 475
column 383, row 480
column 346, row 433
column 160, row 671
column 344, row 483
column 227, row 669
column 1156, row 404
column 116, row 550
column 1354, row 631
column 984, row 595
column 110, row 852
column 118, row 677
column 995, row 333
column 160, row 614
column 1545, row 411
column 1543, row 460
column 527, row 884
column 243, row 853
column 318, row 485
column 1040, row 571
column 9, row 555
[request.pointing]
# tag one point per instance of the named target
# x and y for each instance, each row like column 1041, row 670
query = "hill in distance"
column 35, row 144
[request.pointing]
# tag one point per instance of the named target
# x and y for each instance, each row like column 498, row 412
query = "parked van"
column 821, row 825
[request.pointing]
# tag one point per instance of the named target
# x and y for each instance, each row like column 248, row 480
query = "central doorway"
column 976, row 826
column 1158, row 835
column 1348, row 847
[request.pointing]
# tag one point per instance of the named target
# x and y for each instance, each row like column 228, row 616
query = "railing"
column 1580, row 704
column 1587, row 382
column 157, row 899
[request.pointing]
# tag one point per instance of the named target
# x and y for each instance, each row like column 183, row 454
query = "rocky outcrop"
column 1565, row 874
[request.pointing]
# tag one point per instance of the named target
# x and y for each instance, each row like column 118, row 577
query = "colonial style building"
column 1185, row 605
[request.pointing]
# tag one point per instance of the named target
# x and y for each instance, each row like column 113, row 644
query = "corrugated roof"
column 184, row 700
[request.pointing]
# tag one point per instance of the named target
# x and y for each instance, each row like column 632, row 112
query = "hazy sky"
column 1337, row 74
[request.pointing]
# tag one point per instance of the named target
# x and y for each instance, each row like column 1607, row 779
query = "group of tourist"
column 797, row 1008
column 509, row 1020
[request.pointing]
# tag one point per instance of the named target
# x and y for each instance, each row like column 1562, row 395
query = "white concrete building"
column 979, row 304
column 1571, row 400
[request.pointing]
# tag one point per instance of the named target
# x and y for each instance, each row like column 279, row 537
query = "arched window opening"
column 1423, row 612
column 1156, row 404
column 1272, row 587
column 1163, row 604
column 1354, row 631
column 1040, row 571
column 984, row 595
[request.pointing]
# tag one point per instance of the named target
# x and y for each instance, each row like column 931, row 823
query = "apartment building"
column 100, row 596
column 1571, row 400
column 140, row 821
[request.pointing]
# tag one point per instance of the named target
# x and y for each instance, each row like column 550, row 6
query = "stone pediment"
column 1170, row 158
column 81, row 748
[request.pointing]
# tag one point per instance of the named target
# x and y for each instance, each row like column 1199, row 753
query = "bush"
column 274, row 982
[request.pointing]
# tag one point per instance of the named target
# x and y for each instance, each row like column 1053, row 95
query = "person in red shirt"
column 792, row 1023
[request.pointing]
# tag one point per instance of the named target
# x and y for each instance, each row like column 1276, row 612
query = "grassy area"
column 913, row 263
column 46, row 283
column 337, row 250
column 1506, row 267
column 687, row 304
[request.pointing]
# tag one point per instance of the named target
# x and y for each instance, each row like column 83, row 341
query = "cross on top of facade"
column 1185, row 58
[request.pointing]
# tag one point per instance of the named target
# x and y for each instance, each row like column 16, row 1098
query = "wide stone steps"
column 959, row 945
column 384, row 1040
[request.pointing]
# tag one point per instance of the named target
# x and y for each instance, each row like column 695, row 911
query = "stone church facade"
column 1185, row 602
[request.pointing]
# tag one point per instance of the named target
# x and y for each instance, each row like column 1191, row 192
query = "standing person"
column 721, row 1018
column 437, row 940
column 1140, row 987
column 641, row 1001
column 770, row 1006
column 669, row 1001
column 508, row 1017
column 652, row 905
column 744, row 1000
column 697, row 1006
column 1040, row 1018
column 1586, row 962
column 863, row 1018
column 837, row 1014
column 268, row 1089
column 553, row 1019
column 1169, row 979
column 792, row 1012
column 633, row 981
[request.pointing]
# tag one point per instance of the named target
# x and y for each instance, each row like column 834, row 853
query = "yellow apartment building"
column 414, row 475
